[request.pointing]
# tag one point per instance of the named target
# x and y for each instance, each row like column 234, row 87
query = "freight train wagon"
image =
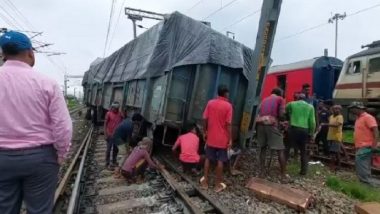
column 169, row 73
column 321, row 73
column 360, row 79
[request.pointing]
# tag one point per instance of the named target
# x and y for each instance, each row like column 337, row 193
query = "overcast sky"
column 78, row 27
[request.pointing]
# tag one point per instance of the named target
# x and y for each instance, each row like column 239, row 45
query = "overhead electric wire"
column 241, row 19
column 363, row 10
column 117, row 23
column 302, row 31
column 16, row 23
column 109, row 27
column 218, row 10
column 326, row 23
column 196, row 4
column 14, row 8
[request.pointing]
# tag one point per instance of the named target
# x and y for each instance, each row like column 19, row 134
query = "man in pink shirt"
column 217, row 127
column 35, row 130
column 112, row 120
column 189, row 145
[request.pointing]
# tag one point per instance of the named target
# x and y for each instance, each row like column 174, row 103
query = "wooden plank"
column 367, row 208
column 294, row 198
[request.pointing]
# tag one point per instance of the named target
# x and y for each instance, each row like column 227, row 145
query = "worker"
column 335, row 135
column 218, row 130
column 306, row 90
column 134, row 167
column 272, row 111
column 189, row 145
column 112, row 120
column 323, row 118
column 35, row 130
column 366, row 136
column 302, row 127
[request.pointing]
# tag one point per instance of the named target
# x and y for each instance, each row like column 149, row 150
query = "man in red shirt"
column 189, row 145
column 217, row 127
column 112, row 120
column 366, row 136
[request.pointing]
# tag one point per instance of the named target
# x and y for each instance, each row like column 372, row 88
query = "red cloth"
column 272, row 106
column 363, row 135
column 218, row 113
column 113, row 119
column 189, row 144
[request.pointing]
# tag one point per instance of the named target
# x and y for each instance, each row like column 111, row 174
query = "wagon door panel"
column 205, row 89
column 158, row 99
column 178, row 96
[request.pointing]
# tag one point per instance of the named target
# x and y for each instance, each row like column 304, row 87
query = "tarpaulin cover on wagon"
column 178, row 40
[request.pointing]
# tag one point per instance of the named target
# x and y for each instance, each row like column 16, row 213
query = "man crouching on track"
column 35, row 130
column 189, row 146
column 217, row 128
column 136, row 163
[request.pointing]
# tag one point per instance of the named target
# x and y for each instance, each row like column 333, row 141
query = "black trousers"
column 298, row 138
column 30, row 175
column 111, row 147
column 322, row 137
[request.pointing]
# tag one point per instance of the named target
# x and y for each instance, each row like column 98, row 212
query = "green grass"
column 348, row 136
column 293, row 169
column 71, row 103
column 354, row 189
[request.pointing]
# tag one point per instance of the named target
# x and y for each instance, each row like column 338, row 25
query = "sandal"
column 203, row 182
column 220, row 187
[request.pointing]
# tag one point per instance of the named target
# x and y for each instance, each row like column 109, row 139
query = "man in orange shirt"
column 217, row 127
column 365, row 136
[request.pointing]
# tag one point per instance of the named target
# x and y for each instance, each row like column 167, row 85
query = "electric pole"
column 138, row 15
column 65, row 85
column 66, row 80
column 335, row 19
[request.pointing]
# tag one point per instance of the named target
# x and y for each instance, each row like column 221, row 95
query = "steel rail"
column 65, row 180
column 217, row 207
column 73, row 111
column 75, row 191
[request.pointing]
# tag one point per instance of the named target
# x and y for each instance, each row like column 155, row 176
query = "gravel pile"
column 238, row 199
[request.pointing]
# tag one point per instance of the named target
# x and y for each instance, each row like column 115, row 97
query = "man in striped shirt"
column 271, row 112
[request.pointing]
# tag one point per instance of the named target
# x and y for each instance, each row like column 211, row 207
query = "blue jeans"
column 30, row 175
column 111, row 146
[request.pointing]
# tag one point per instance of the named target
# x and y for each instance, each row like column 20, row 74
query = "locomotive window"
column 374, row 65
column 353, row 67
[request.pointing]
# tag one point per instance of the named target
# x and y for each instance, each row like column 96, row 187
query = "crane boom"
column 270, row 13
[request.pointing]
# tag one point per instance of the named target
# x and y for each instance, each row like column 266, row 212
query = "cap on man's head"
column 16, row 41
column 357, row 105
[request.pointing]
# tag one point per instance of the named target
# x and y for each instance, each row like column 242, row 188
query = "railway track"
column 76, row 109
column 347, row 162
column 68, row 186
column 88, row 187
